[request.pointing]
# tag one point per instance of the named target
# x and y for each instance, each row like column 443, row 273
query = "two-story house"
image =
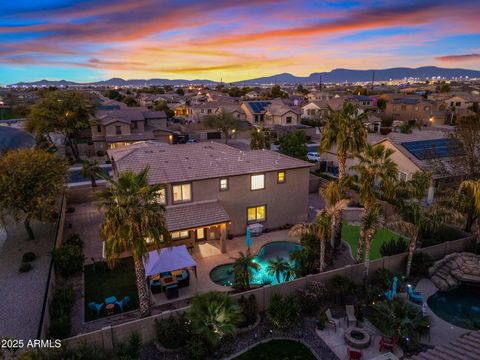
column 317, row 108
column 211, row 189
column 271, row 113
column 414, row 110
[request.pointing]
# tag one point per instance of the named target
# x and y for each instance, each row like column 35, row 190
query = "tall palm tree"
column 243, row 267
column 376, row 175
column 473, row 186
column 90, row 170
column 277, row 266
column 133, row 215
column 372, row 221
column 335, row 201
column 214, row 315
column 320, row 228
column 344, row 129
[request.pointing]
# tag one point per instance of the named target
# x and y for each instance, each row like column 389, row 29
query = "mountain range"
column 334, row 76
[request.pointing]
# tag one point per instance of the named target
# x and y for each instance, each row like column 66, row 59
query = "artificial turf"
column 101, row 283
column 278, row 350
column 350, row 234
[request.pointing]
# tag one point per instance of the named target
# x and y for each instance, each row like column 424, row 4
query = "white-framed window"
column 256, row 213
column 162, row 196
column 178, row 235
column 182, row 193
column 257, row 182
column 223, row 184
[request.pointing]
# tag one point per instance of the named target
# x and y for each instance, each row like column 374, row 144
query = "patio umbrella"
column 248, row 238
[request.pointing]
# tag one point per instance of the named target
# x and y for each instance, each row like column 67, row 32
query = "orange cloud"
column 458, row 58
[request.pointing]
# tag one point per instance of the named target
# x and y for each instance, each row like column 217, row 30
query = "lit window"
column 161, row 196
column 200, row 234
column 182, row 193
column 177, row 235
column 256, row 214
column 281, row 177
column 223, row 184
column 257, row 182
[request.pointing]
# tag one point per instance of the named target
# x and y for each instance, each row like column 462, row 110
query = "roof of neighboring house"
column 410, row 101
column 182, row 162
column 128, row 115
column 359, row 98
column 464, row 347
column 131, row 137
column 154, row 114
column 280, row 109
column 335, row 103
column 193, row 215
column 257, row 107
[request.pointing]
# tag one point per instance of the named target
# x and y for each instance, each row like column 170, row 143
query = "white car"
column 313, row 156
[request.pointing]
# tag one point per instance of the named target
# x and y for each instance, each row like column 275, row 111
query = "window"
column 209, row 111
column 402, row 176
column 224, row 184
column 256, row 214
column 289, row 119
column 178, row 235
column 281, row 177
column 135, row 125
column 257, row 182
column 200, row 234
column 99, row 128
column 458, row 103
column 182, row 193
column 118, row 130
column 162, row 196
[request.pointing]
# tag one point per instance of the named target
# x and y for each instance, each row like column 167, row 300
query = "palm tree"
column 372, row 221
column 277, row 266
column 473, row 187
column 90, row 170
column 335, row 202
column 320, row 228
column 242, row 267
column 214, row 315
column 376, row 175
column 133, row 215
column 344, row 129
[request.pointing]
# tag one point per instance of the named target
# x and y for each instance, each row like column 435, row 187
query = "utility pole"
column 320, row 83
column 373, row 79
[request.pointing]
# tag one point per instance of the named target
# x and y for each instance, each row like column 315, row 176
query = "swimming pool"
column 224, row 275
column 459, row 306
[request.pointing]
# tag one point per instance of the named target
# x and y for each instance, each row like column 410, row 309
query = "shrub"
column 60, row 309
column 173, row 332
column 394, row 246
column 383, row 278
column 74, row 240
column 421, row 262
column 132, row 349
column 309, row 299
column 249, row 310
column 25, row 267
column 283, row 311
column 101, row 153
column 68, row 259
column 341, row 288
column 63, row 300
column 60, row 326
column 196, row 348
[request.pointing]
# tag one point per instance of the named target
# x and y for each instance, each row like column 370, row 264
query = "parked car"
column 313, row 156
column 191, row 141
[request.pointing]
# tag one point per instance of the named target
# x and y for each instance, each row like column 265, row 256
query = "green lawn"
column 350, row 234
column 100, row 284
column 278, row 350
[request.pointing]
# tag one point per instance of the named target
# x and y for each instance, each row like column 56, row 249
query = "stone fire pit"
column 357, row 337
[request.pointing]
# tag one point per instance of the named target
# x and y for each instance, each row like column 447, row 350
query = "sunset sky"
column 90, row 40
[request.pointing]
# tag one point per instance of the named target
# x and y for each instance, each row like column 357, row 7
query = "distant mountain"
column 334, row 76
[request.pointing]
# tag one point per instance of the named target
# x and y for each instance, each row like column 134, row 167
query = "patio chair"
column 96, row 307
column 387, row 344
column 331, row 320
column 354, row 354
column 123, row 303
column 171, row 291
column 110, row 300
column 390, row 294
column 155, row 287
column 414, row 296
column 350, row 314
column 184, row 279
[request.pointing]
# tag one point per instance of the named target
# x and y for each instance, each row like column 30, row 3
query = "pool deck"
column 441, row 331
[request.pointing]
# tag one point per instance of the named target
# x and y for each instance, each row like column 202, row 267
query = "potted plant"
column 322, row 319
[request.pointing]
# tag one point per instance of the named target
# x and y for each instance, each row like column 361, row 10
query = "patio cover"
column 168, row 259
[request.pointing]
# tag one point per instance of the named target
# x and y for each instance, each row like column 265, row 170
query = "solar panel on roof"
column 432, row 149
column 259, row 106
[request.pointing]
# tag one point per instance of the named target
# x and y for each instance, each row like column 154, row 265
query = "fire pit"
column 357, row 337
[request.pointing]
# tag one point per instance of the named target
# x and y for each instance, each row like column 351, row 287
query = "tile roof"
column 189, row 216
column 128, row 115
column 465, row 347
column 130, row 137
column 187, row 162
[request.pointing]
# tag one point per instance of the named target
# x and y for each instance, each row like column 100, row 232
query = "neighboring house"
column 321, row 96
column 270, row 113
column 362, row 101
column 251, row 95
column 114, row 128
column 197, row 112
column 317, row 108
column 414, row 110
column 462, row 101
column 211, row 189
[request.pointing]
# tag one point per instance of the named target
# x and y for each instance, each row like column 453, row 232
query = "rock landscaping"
column 454, row 269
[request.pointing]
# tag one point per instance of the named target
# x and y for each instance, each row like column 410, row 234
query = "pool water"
column 224, row 275
column 459, row 306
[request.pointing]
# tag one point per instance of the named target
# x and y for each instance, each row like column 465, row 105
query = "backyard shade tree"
column 63, row 112
column 133, row 215
column 376, row 178
column 91, row 170
column 31, row 182
column 243, row 267
column 260, row 139
column 224, row 122
column 293, row 144
column 344, row 129
column 213, row 316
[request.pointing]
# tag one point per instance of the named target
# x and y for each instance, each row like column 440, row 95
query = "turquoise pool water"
column 459, row 306
column 223, row 274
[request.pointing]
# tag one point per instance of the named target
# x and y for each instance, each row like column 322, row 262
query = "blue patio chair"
column 95, row 307
column 390, row 294
column 414, row 296
column 110, row 300
column 123, row 303
column 171, row 291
